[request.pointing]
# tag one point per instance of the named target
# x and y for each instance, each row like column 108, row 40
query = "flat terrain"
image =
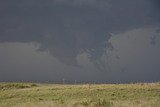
column 88, row 95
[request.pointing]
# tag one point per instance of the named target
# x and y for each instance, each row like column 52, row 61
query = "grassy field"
column 88, row 95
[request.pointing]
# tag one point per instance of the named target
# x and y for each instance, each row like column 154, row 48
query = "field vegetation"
column 80, row 95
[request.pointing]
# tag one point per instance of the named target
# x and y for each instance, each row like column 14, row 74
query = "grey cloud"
column 66, row 28
column 153, row 38
column 98, row 4
column 137, row 58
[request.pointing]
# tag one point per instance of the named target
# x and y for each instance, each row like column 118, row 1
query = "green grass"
column 8, row 86
column 88, row 95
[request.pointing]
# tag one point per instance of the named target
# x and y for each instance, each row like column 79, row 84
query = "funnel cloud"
column 83, row 40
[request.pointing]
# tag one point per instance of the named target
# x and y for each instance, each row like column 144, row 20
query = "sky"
column 98, row 41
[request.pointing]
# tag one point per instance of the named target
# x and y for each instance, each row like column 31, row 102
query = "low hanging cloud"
column 77, row 32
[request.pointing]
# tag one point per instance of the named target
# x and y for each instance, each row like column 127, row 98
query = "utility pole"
column 75, row 82
column 63, row 81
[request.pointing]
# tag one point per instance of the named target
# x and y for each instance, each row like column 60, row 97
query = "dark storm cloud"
column 67, row 27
